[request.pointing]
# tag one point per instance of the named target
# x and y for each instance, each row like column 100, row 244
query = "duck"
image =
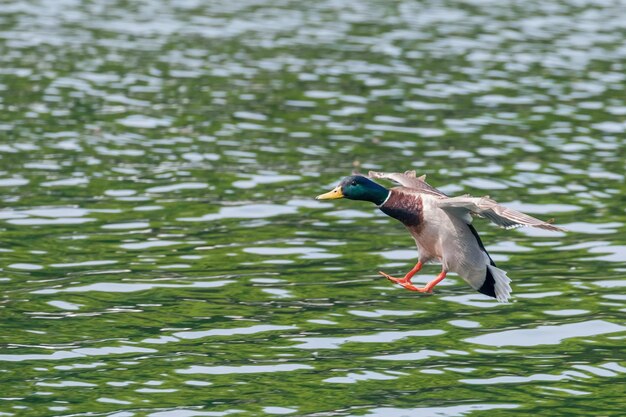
column 441, row 227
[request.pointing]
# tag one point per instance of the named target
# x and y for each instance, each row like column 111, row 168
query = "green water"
column 162, row 255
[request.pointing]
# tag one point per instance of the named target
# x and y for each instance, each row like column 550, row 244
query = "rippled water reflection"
column 162, row 255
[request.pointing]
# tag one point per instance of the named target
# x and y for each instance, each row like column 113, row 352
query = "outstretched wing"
column 489, row 209
column 408, row 180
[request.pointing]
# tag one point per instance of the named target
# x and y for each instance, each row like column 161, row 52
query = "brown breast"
column 405, row 207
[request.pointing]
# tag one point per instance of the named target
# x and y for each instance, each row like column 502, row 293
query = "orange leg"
column 429, row 287
column 406, row 281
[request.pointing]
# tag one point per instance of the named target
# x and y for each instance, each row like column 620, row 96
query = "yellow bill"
column 331, row 195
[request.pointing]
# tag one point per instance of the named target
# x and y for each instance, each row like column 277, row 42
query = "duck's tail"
column 496, row 284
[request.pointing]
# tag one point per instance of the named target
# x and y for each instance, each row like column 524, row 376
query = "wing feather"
column 489, row 209
column 409, row 180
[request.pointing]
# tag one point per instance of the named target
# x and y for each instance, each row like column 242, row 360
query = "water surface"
column 162, row 255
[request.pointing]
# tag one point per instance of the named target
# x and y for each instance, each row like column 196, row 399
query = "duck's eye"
column 353, row 182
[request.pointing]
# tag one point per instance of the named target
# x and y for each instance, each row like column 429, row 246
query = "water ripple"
column 76, row 353
column 450, row 411
column 382, row 337
column 547, row 335
column 245, row 369
column 182, row 143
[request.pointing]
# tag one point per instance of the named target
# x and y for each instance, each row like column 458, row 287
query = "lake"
column 162, row 253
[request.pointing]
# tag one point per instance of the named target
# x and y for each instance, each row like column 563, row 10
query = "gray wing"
column 489, row 209
column 408, row 180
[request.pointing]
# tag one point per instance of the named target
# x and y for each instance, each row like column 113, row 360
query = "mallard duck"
column 441, row 226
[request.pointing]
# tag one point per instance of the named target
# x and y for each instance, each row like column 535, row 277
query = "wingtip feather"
column 502, row 284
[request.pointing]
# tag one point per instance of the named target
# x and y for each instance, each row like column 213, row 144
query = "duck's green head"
column 357, row 187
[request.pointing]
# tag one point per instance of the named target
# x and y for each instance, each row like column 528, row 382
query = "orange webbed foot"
column 390, row 278
column 405, row 282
